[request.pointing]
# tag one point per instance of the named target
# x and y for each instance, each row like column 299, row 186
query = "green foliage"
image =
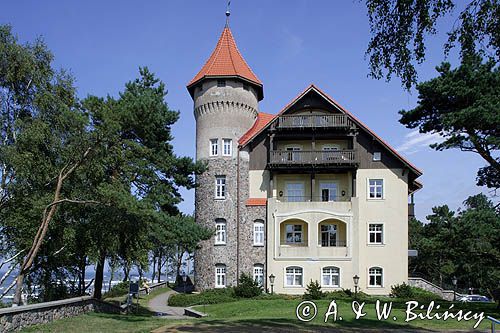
column 247, row 287
column 122, row 179
column 211, row 296
column 462, row 106
column 119, row 289
column 443, row 241
column 402, row 291
column 399, row 30
column 313, row 291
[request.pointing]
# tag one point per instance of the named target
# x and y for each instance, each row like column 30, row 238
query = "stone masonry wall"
column 426, row 285
column 207, row 210
column 16, row 318
column 249, row 254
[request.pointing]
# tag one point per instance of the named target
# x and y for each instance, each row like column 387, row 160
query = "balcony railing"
column 308, row 198
column 300, row 157
column 315, row 121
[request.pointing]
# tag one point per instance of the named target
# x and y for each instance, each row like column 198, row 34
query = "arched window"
column 293, row 277
column 220, row 276
column 330, row 276
column 258, row 233
column 220, row 231
column 375, row 277
column 258, row 274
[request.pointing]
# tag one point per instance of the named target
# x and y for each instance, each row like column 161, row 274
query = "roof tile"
column 226, row 60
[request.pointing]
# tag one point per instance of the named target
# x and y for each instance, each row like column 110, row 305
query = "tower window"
column 220, row 276
column 220, row 232
column 377, row 156
column 221, row 83
column 214, row 147
column 220, row 187
column 227, row 147
column 258, row 233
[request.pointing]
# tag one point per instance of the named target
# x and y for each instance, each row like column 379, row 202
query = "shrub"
column 119, row 289
column 247, row 287
column 337, row 294
column 348, row 292
column 407, row 292
column 313, row 291
column 402, row 290
column 211, row 296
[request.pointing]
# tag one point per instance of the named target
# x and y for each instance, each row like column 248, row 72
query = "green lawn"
column 259, row 315
column 282, row 312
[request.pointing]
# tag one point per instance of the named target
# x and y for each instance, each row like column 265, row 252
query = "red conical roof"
column 226, row 60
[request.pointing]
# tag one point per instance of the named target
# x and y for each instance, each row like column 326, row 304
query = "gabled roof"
column 226, row 61
column 312, row 87
column 262, row 120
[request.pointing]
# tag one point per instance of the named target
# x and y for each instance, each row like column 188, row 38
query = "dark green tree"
column 463, row 106
column 465, row 245
column 399, row 30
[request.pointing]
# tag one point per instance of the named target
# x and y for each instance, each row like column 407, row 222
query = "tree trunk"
column 81, row 282
column 154, row 269
column 99, row 275
column 159, row 267
column 126, row 271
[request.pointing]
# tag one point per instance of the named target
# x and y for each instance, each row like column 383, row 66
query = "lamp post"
column 184, row 279
column 271, row 280
column 454, row 281
column 355, row 278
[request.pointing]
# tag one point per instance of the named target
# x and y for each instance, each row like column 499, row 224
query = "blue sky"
column 288, row 44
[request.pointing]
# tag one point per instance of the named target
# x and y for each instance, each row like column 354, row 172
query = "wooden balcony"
column 339, row 121
column 287, row 158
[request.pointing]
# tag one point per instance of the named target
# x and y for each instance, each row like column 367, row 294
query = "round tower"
column 226, row 94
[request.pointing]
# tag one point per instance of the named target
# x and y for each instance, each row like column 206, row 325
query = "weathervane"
column 228, row 13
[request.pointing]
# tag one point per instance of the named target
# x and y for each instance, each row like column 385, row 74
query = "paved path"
column 159, row 305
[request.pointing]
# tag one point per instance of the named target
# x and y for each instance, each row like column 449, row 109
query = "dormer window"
column 221, row 83
column 377, row 156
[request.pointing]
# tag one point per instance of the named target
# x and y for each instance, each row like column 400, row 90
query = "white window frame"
column 323, row 185
column 214, row 147
column 300, row 198
column 220, row 232
column 376, row 271
column 220, row 276
column 258, row 233
column 294, row 233
column 368, row 189
column 220, row 187
column 375, row 232
column 295, row 271
column 258, row 274
column 377, row 156
column 229, row 152
column 331, row 275
column 328, row 232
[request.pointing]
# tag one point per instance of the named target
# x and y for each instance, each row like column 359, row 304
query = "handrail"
column 315, row 121
column 346, row 156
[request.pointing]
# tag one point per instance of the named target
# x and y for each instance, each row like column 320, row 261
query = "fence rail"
column 315, row 121
column 296, row 157
column 314, row 198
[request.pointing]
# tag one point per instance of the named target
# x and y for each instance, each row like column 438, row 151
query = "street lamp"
column 355, row 278
column 454, row 281
column 184, row 279
column 271, row 280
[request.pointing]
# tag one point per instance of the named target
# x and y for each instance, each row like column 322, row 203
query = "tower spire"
column 228, row 13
